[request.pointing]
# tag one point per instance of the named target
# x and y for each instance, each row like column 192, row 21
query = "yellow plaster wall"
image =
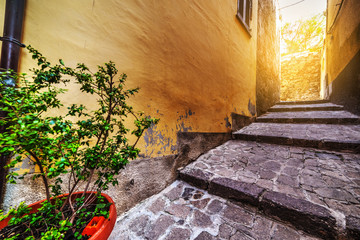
column 342, row 40
column 193, row 61
column 2, row 15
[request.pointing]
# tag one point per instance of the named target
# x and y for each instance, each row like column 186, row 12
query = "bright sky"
column 304, row 9
column 300, row 9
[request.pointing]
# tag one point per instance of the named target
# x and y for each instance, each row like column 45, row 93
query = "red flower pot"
column 100, row 231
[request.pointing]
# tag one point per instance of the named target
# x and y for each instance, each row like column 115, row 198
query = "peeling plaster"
column 26, row 166
column 180, row 126
column 156, row 142
column 187, row 114
column 227, row 122
column 251, row 108
column 171, row 66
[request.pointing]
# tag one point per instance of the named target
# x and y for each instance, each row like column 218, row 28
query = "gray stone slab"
column 303, row 102
column 325, row 117
column 303, row 214
column 196, row 177
column 353, row 227
column 236, row 190
column 220, row 219
column 323, row 136
column 306, row 107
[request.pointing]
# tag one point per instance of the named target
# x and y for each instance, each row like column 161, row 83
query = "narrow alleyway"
column 293, row 174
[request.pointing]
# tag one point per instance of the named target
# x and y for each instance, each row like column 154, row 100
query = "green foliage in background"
column 304, row 35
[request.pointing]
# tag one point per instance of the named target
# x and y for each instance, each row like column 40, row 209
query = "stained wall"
column 193, row 60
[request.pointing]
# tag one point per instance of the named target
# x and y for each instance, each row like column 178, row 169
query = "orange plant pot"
column 100, row 231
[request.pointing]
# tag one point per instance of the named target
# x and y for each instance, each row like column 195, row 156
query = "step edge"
column 308, row 120
column 257, row 196
column 352, row 146
column 305, row 109
column 303, row 102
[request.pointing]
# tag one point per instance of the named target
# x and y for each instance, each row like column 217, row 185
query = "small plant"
column 90, row 151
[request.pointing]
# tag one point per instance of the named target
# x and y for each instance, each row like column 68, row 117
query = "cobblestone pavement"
column 330, row 117
column 323, row 178
column 318, row 132
column 183, row 212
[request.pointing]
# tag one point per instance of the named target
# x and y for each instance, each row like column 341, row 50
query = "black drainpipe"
column 10, row 53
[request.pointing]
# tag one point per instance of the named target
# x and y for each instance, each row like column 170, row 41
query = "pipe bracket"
column 12, row 40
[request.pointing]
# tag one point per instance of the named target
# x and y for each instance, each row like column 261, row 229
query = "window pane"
column 247, row 14
column 241, row 7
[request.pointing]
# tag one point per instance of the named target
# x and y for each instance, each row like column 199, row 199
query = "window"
column 244, row 13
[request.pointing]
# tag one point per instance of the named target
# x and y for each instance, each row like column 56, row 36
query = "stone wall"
column 300, row 76
column 268, row 57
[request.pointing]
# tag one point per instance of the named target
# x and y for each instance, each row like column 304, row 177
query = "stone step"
column 322, row 136
column 306, row 107
column 303, row 102
column 325, row 117
column 182, row 212
column 316, row 191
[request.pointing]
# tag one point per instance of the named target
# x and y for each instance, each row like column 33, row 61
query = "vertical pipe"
column 10, row 53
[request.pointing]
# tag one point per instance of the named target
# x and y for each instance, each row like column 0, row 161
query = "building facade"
column 194, row 61
column 342, row 54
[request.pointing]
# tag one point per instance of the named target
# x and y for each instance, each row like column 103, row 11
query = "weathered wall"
column 300, row 76
column 139, row 180
column 343, row 53
column 194, row 62
column 268, row 57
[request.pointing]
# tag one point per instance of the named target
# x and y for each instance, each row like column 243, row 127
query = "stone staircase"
column 293, row 174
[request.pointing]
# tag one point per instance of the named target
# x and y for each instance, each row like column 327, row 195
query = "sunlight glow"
column 304, row 9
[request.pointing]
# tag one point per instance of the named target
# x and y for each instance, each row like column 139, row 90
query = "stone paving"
column 328, row 117
column 183, row 212
column 322, row 178
column 269, row 183
column 303, row 102
column 333, row 136
column 345, row 133
column 306, row 107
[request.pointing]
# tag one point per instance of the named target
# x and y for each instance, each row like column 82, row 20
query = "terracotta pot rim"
column 104, row 231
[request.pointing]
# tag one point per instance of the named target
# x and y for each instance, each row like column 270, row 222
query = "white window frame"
column 244, row 14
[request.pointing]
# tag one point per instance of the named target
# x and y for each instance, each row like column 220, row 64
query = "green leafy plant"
column 90, row 150
column 304, row 35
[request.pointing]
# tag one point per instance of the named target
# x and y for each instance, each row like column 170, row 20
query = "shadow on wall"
column 345, row 89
